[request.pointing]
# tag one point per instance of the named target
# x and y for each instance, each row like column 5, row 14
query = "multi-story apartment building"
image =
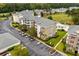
column 72, row 42
column 24, row 17
column 45, row 27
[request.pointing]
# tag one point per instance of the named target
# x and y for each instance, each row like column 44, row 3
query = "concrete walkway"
column 61, row 53
column 58, row 44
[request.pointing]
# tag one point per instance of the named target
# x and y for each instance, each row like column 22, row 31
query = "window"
column 71, row 41
column 78, row 43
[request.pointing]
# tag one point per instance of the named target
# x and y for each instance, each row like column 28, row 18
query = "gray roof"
column 44, row 22
column 73, row 29
column 38, row 11
column 27, row 15
column 7, row 40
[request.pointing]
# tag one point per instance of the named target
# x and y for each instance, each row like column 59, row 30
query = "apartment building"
column 70, row 8
column 72, row 42
column 24, row 17
column 45, row 27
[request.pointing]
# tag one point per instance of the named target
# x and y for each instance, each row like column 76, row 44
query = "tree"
column 24, row 27
column 32, row 31
column 75, row 15
column 42, row 14
column 31, row 6
column 35, row 14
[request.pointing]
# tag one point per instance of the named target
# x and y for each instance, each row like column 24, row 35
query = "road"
column 35, row 48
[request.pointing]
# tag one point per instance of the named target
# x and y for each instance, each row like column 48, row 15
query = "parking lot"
column 39, row 46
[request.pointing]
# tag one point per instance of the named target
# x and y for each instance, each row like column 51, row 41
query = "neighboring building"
column 70, row 8
column 24, row 17
column 38, row 12
column 63, row 9
column 72, row 42
column 53, row 11
column 72, row 39
column 59, row 10
column 16, row 17
column 7, row 41
column 49, row 26
column 62, row 27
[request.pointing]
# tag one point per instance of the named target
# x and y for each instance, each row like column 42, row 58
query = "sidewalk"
column 61, row 53
column 60, row 41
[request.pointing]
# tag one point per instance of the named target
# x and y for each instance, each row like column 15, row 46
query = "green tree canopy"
column 32, row 31
column 10, row 7
column 75, row 14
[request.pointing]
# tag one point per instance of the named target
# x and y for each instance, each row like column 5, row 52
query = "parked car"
column 32, row 39
column 26, row 36
column 38, row 43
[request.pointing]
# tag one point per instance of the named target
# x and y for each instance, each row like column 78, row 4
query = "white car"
column 26, row 36
column 38, row 43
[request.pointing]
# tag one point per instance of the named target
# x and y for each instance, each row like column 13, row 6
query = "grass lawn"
column 19, row 50
column 62, row 18
column 54, row 41
column 3, row 16
column 60, row 47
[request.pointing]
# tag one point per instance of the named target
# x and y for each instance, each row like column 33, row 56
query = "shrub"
column 50, row 17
